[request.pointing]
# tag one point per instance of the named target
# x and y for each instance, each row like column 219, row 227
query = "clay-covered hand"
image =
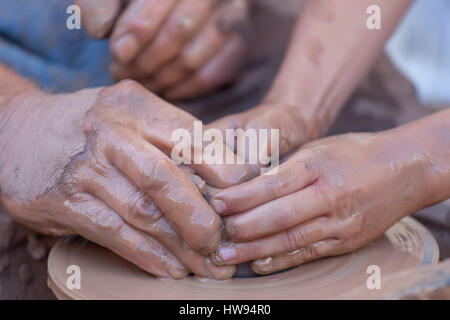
column 331, row 197
column 93, row 163
column 294, row 128
column 179, row 48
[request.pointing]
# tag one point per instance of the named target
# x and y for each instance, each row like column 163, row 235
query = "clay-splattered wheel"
column 106, row 276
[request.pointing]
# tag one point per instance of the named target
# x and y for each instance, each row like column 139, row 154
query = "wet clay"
column 428, row 283
column 106, row 276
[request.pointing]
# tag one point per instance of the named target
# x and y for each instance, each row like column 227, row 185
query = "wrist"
column 422, row 147
column 434, row 138
column 41, row 133
column 305, row 110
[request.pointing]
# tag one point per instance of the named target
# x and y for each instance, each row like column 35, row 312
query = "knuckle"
column 154, row 169
column 127, row 86
column 117, row 96
column 146, row 211
column 310, row 253
column 93, row 119
column 108, row 224
column 162, row 164
column 342, row 199
column 331, row 196
column 293, row 240
column 146, row 181
column 274, row 186
column 354, row 234
column 78, row 174
column 72, row 179
column 308, row 164
column 130, row 206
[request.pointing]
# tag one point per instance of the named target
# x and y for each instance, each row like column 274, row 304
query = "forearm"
column 431, row 137
column 330, row 52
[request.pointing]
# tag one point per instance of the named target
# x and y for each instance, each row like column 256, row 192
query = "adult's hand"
column 335, row 195
column 93, row 163
column 179, row 48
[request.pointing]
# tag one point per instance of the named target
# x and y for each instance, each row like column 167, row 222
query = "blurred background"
column 420, row 49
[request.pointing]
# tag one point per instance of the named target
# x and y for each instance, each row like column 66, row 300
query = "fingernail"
column 148, row 207
column 219, row 272
column 125, row 48
column 218, row 205
column 227, row 253
column 262, row 266
column 175, row 269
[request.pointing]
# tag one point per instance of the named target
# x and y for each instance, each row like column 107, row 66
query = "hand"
column 105, row 177
column 179, row 48
column 332, row 197
column 294, row 128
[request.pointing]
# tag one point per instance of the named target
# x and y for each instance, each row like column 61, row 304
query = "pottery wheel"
column 106, row 276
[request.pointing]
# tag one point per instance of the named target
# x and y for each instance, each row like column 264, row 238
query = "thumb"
column 99, row 16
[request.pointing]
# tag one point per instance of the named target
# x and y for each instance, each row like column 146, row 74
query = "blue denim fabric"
column 35, row 41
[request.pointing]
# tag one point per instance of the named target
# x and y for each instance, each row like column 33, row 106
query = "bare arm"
column 92, row 163
column 336, row 194
column 330, row 52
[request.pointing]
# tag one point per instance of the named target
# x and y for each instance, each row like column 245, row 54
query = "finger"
column 200, row 183
column 289, row 240
column 231, row 122
column 229, row 19
column 204, row 46
column 216, row 72
column 237, row 123
column 137, row 26
column 293, row 175
column 161, row 133
column 98, row 16
column 95, row 221
column 138, row 210
column 313, row 252
column 276, row 216
column 181, row 25
column 171, row 189
column 291, row 129
column 168, row 76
